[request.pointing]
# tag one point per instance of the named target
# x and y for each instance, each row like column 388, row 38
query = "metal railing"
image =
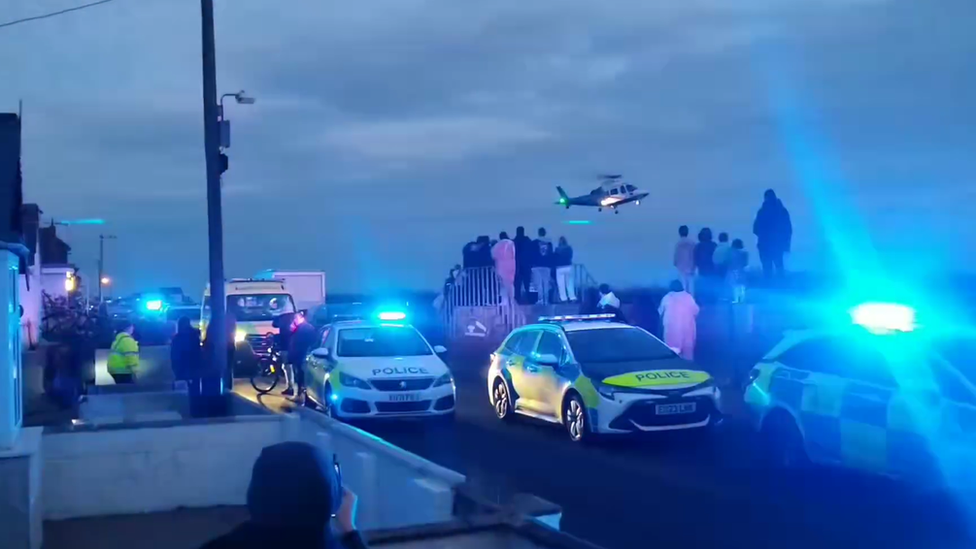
column 482, row 294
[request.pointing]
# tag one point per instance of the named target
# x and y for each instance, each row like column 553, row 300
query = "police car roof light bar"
column 577, row 318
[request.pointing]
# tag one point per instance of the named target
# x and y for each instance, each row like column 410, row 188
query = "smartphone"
column 338, row 469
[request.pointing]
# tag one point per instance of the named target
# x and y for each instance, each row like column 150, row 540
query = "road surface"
column 675, row 490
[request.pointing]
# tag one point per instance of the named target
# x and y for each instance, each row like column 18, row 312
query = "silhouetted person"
column 186, row 356
column 738, row 261
column 684, row 258
column 543, row 270
column 302, row 339
column 313, row 511
column 208, row 394
column 774, row 234
column 482, row 252
column 720, row 258
column 565, row 273
column 524, row 258
column 704, row 252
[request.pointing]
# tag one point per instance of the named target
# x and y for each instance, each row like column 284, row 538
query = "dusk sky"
column 388, row 133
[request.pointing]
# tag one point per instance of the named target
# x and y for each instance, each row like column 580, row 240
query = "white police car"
column 593, row 375
column 881, row 394
column 381, row 368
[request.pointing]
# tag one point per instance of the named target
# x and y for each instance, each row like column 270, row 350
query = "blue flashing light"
column 884, row 318
column 392, row 315
column 154, row 305
column 334, row 397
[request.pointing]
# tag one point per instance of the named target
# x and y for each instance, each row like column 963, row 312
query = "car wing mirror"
column 547, row 360
column 440, row 349
column 323, row 353
column 675, row 350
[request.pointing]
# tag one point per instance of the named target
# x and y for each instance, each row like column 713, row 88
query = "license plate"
column 406, row 397
column 674, row 409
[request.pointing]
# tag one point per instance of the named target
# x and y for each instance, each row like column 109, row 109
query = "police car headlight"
column 444, row 380
column 352, row 381
column 606, row 391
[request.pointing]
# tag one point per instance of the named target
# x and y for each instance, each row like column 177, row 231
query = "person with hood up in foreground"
column 503, row 253
column 679, row 314
column 774, row 234
column 314, row 512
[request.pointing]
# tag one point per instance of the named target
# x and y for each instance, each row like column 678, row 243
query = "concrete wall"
column 161, row 466
column 395, row 488
column 20, row 492
column 148, row 468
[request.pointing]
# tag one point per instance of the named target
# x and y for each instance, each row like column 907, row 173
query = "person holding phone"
column 315, row 511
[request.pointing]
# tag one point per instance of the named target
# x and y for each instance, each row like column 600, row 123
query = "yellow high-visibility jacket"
column 124, row 356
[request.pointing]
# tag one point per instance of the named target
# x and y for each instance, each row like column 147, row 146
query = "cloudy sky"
column 388, row 133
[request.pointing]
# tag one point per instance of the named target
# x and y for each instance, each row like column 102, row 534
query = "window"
column 512, row 343
column 844, row 357
column 256, row 307
column 526, row 344
column 550, row 344
column 323, row 338
column 631, row 188
column 614, row 191
column 381, row 342
column 612, row 351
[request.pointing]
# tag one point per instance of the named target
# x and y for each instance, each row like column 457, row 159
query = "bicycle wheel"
column 266, row 379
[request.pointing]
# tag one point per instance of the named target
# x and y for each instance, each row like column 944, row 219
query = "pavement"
column 672, row 490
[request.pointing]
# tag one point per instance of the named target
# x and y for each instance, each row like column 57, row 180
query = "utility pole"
column 211, row 129
column 101, row 261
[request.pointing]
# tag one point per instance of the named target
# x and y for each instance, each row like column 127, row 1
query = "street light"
column 242, row 99
column 106, row 281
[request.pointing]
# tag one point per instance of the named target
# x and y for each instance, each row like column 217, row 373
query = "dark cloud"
column 388, row 133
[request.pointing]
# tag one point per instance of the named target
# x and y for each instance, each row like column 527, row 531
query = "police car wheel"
column 783, row 443
column 500, row 400
column 574, row 418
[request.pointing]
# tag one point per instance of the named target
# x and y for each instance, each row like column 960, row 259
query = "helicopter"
column 612, row 193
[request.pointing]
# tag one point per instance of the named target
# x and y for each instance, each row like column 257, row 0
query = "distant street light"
column 106, row 281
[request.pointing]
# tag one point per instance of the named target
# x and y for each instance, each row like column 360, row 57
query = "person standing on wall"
column 684, row 259
column 123, row 358
column 774, row 234
column 542, row 270
column 565, row 276
column 524, row 259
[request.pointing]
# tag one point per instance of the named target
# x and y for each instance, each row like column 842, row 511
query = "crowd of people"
column 720, row 266
column 523, row 264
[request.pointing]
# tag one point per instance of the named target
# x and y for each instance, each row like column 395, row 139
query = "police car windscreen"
column 258, row 307
column 381, row 341
column 605, row 347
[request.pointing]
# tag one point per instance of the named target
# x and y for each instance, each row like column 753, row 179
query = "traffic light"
column 224, row 163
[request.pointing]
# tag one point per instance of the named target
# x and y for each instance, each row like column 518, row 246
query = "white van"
column 254, row 304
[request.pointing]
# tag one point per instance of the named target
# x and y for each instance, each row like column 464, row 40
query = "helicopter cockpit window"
column 631, row 188
column 613, row 191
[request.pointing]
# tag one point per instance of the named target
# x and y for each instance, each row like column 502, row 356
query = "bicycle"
column 269, row 373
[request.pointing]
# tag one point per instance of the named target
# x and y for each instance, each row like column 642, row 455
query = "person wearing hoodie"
column 524, row 259
column 774, row 234
column 313, row 512
column 543, row 272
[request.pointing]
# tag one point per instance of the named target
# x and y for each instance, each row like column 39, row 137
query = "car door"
column 544, row 381
column 317, row 367
column 514, row 355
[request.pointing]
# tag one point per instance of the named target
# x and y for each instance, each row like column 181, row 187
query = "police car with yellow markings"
column 377, row 368
column 882, row 395
column 594, row 376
